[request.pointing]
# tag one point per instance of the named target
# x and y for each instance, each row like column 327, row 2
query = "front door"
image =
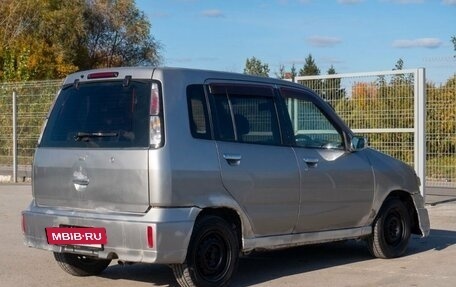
column 336, row 185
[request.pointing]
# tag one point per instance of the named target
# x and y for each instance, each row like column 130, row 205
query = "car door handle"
column 81, row 181
column 232, row 159
column 311, row 162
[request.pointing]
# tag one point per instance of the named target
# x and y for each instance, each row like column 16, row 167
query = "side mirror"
column 358, row 143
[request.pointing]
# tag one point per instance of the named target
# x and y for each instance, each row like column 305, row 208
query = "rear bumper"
column 126, row 233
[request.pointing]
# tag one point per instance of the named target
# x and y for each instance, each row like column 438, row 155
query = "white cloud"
column 213, row 13
column 449, row 2
column 323, row 41
column 421, row 42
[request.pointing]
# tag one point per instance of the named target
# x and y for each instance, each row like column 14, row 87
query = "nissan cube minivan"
column 194, row 168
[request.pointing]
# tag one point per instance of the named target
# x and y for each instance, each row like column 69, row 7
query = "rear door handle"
column 311, row 162
column 232, row 159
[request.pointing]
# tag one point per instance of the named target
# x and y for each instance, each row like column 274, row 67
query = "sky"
column 351, row 35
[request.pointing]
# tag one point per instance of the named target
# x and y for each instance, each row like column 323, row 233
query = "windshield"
column 100, row 114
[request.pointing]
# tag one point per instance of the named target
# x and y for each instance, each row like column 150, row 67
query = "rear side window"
column 197, row 107
column 100, row 115
column 245, row 113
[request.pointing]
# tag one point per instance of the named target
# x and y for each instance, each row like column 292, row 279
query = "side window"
column 197, row 110
column 311, row 127
column 246, row 114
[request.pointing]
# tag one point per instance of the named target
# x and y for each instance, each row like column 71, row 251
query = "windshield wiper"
column 82, row 135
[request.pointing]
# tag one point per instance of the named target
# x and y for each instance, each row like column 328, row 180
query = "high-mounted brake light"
column 102, row 75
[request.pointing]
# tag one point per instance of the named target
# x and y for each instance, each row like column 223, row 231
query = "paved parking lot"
column 429, row 262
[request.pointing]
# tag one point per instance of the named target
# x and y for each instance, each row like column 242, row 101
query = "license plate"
column 79, row 236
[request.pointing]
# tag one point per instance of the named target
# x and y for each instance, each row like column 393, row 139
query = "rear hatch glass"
column 100, row 114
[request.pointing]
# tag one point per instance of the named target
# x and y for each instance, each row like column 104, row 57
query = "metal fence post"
column 14, row 137
column 420, row 127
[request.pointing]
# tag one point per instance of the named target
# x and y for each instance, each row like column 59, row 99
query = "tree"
column 118, row 34
column 281, row 73
column 254, row 66
column 399, row 65
column 332, row 90
column 293, row 72
column 453, row 40
column 50, row 38
column 310, row 68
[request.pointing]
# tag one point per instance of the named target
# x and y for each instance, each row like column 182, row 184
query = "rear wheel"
column 80, row 265
column 391, row 230
column 212, row 255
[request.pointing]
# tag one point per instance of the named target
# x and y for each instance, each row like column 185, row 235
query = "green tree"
column 453, row 40
column 310, row 67
column 331, row 88
column 293, row 72
column 399, row 65
column 254, row 66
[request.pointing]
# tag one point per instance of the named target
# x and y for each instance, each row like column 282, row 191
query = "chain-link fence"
column 384, row 106
column 32, row 102
column 441, row 134
column 384, row 103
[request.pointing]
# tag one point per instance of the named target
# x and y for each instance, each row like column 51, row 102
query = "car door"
column 336, row 185
column 257, row 170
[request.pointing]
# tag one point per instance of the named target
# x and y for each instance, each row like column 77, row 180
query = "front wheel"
column 80, row 265
column 212, row 255
column 391, row 230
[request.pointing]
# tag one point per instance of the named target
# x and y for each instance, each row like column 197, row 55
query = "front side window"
column 245, row 114
column 100, row 115
column 311, row 127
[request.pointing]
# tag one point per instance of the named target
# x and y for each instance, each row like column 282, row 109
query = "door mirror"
column 358, row 143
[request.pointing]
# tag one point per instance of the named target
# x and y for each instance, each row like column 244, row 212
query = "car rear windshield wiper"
column 81, row 135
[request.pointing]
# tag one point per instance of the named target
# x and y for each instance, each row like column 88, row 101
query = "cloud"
column 449, row 2
column 322, row 41
column 417, row 43
column 213, row 13
column 349, row 1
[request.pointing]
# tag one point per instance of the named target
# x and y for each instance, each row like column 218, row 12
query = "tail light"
column 23, row 225
column 150, row 237
column 155, row 137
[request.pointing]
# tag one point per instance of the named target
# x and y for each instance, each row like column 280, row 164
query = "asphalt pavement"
column 429, row 261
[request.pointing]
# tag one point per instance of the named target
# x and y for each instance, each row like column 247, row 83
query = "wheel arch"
column 406, row 198
column 229, row 215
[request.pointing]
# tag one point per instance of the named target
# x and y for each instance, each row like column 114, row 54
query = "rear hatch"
column 93, row 153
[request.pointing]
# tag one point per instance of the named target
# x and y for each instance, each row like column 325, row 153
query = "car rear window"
column 100, row 115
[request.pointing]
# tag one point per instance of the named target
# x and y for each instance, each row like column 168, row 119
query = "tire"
column 212, row 255
column 391, row 230
column 80, row 265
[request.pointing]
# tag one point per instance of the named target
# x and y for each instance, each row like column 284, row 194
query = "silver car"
column 194, row 168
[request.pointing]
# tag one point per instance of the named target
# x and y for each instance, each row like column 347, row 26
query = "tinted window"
column 245, row 114
column 100, row 114
column 199, row 120
column 311, row 127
